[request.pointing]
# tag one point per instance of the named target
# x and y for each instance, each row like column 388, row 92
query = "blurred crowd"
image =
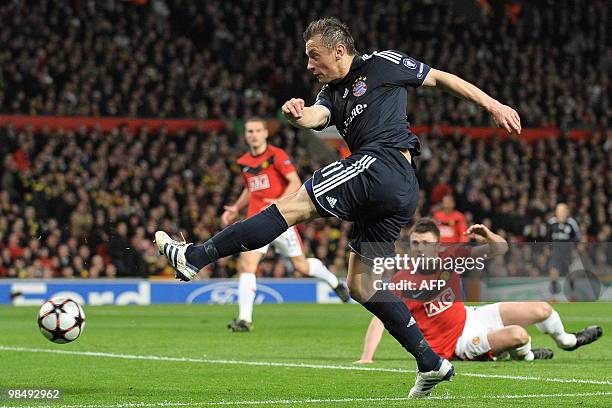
column 86, row 203
column 227, row 59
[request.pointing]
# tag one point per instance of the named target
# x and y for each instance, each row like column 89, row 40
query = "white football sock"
column 523, row 352
column 246, row 296
column 554, row 327
column 318, row 270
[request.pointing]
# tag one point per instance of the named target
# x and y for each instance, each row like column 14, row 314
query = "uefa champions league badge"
column 360, row 87
column 409, row 63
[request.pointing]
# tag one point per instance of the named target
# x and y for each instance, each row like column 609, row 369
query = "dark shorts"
column 377, row 190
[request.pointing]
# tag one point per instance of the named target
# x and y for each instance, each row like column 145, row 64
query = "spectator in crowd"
column 451, row 222
column 563, row 233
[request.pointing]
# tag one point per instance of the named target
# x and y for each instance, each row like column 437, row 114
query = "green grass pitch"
column 298, row 355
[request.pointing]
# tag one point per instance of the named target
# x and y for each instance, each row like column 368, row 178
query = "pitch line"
column 289, row 365
column 311, row 401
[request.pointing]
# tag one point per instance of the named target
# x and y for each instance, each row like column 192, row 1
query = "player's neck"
column 258, row 151
column 345, row 67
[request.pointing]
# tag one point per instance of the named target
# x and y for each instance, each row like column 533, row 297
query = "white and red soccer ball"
column 61, row 320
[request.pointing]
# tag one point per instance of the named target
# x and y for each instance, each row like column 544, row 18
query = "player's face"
column 423, row 244
column 448, row 203
column 256, row 134
column 322, row 62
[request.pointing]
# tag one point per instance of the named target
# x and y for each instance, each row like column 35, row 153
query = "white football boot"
column 426, row 381
column 175, row 252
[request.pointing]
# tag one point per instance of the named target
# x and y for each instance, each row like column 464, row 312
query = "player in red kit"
column 451, row 222
column 454, row 330
column 268, row 176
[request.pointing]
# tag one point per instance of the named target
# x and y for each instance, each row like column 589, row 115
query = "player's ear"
column 340, row 51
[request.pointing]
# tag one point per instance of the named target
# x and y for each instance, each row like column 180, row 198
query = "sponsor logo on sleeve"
column 420, row 74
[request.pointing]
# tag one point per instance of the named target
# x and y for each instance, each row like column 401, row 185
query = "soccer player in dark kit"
column 365, row 97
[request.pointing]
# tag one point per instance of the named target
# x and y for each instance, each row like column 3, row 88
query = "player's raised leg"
column 548, row 321
column 249, row 234
column 396, row 317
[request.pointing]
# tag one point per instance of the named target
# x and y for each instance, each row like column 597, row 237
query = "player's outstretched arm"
column 372, row 338
column 310, row 117
column 231, row 211
column 493, row 244
column 504, row 116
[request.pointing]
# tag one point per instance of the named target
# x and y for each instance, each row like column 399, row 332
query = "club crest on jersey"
column 409, row 63
column 360, row 87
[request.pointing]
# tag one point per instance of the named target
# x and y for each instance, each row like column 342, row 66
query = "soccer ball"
column 61, row 320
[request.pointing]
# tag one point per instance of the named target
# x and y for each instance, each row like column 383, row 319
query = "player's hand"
column 293, row 109
column 506, row 118
column 228, row 215
column 478, row 231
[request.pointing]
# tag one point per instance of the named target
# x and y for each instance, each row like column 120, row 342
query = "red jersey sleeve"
column 457, row 251
column 282, row 162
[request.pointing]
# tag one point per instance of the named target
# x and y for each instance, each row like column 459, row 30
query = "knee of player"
column 244, row 265
column 543, row 310
column 297, row 207
column 301, row 266
column 519, row 335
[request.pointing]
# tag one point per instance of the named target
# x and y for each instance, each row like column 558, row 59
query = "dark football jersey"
column 566, row 231
column 368, row 106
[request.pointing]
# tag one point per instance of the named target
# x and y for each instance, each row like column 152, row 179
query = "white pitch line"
column 290, row 365
column 313, row 401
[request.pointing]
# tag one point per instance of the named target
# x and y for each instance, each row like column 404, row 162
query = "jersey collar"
column 262, row 153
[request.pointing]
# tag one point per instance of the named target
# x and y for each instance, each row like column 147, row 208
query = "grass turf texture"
column 299, row 334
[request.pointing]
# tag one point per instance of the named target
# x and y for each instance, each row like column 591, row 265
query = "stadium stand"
column 203, row 59
column 85, row 203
